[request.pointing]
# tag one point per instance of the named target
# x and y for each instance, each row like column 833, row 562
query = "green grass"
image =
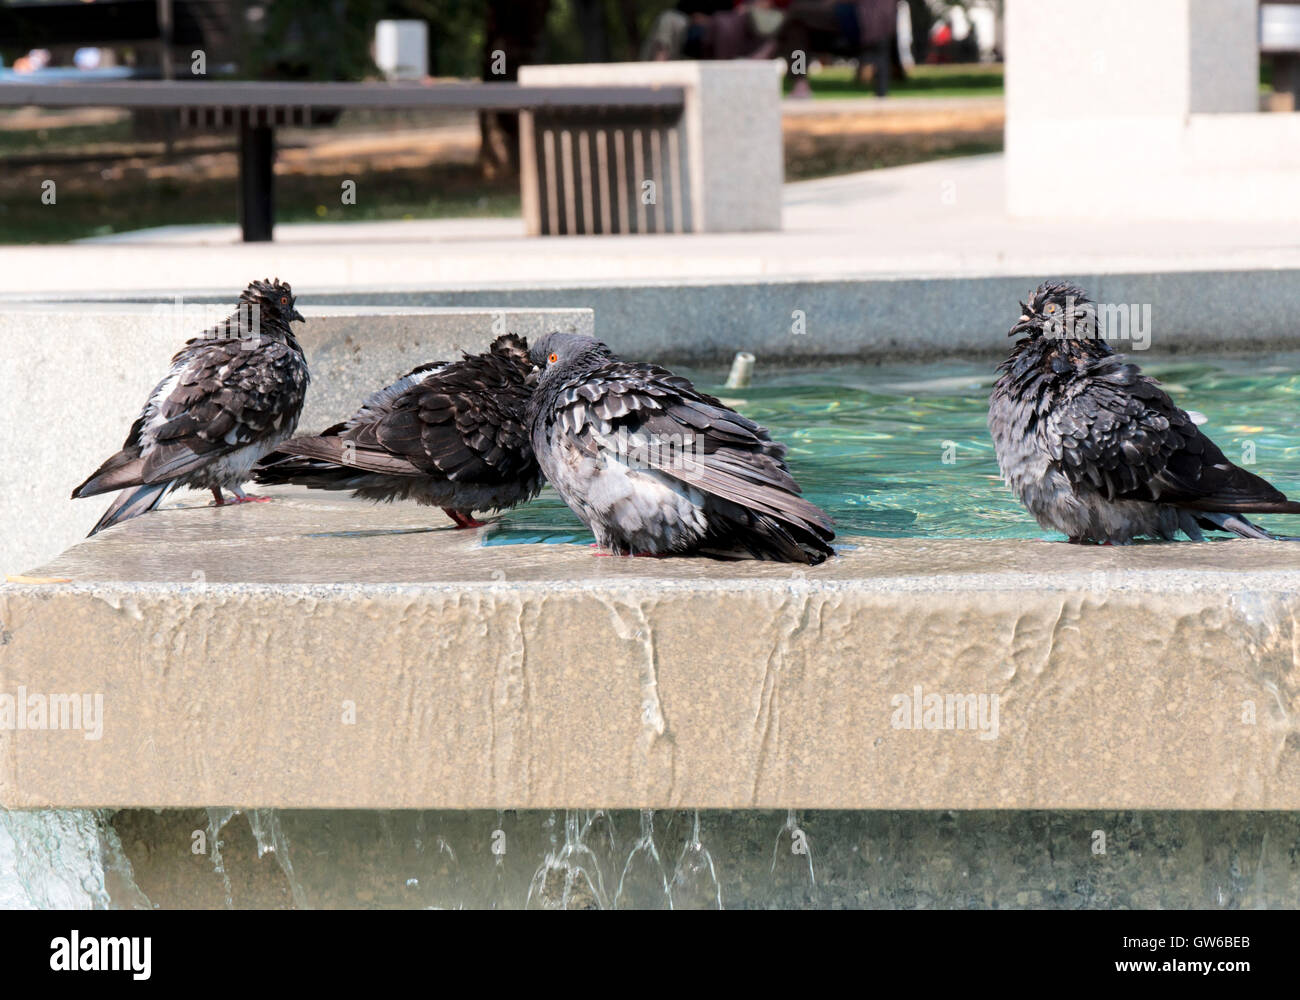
column 967, row 80
column 958, row 80
column 877, row 155
column 134, row 203
column 35, row 142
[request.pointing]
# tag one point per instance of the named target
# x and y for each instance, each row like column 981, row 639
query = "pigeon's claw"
column 463, row 520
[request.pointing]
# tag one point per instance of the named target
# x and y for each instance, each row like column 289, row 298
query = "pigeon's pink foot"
column 237, row 496
column 463, row 520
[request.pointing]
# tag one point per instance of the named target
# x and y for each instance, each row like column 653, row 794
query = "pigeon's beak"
column 1026, row 324
column 296, row 315
column 532, row 377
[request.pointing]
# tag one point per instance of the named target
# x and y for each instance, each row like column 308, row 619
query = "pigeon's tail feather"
column 280, row 469
column 1284, row 507
column 119, row 472
column 133, row 503
column 749, row 513
column 322, row 461
column 1238, row 525
column 1216, row 505
column 735, row 531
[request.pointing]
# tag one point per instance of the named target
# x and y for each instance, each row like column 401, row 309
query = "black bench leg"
column 256, row 182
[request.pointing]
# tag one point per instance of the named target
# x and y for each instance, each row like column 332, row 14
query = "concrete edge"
column 867, row 318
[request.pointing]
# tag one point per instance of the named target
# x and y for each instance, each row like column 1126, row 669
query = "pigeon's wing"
column 127, row 467
column 1117, row 431
column 351, row 444
column 660, row 420
column 463, row 421
column 221, row 397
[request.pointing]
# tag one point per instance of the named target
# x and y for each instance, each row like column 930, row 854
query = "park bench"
column 643, row 116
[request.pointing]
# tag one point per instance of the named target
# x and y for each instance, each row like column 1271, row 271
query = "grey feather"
column 132, row 503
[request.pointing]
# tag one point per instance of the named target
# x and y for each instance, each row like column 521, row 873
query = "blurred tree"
column 600, row 30
column 311, row 40
column 514, row 34
column 592, row 28
column 455, row 32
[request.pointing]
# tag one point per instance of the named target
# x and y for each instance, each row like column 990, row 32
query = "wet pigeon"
column 655, row 467
column 233, row 393
column 1097, row 450
column 449, row 434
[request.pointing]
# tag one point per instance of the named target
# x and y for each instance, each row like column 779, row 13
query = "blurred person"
column 953, row 38
column 715, row 29
column 34, row 61
column 864, row 26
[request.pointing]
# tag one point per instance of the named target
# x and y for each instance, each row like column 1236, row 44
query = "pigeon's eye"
column 553, row 358
column 284, row 300
column 1051, row 307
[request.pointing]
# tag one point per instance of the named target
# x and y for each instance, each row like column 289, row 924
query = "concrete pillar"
column 1093, row 58
column 1122, row 110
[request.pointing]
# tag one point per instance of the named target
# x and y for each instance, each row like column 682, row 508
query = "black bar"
column 256, row 181
column 1245, row 949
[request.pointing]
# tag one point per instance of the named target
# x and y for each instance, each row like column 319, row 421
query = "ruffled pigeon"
column 233, row 393
column 655, row 467
column 1097, row 450
column 450, row 435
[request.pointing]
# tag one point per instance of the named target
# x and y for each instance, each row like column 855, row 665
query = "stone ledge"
column 691, row 320
column 227, row 642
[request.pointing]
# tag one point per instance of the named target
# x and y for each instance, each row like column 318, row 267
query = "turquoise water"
column 902, row 451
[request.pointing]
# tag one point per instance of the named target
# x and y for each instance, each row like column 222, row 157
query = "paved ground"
column 943, row 218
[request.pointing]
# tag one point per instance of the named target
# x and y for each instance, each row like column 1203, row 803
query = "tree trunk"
column 589, row 15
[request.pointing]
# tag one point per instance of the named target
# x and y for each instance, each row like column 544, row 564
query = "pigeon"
column 1098, row 451
column 447, row 434
column 655, row 467
column 233, row 393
